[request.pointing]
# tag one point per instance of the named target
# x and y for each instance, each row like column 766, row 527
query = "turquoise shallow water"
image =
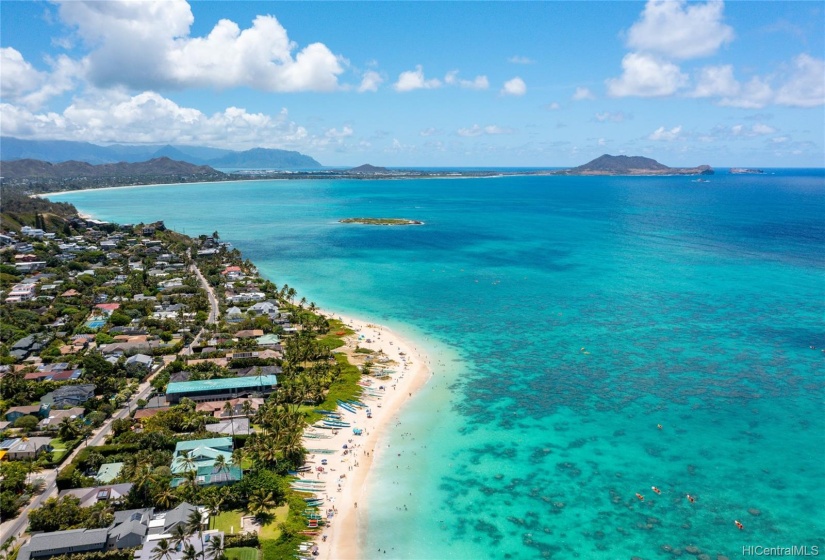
column 566, row 318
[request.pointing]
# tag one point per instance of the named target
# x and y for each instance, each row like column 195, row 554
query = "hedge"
column 67, row 473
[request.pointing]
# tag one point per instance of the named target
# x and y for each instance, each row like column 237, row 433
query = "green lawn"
column 242, row 553
column 226, row 521
column 270, row 530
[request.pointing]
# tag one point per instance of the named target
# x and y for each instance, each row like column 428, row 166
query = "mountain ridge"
column 59, row 151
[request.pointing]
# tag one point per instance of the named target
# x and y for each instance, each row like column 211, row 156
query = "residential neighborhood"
column 144, row 374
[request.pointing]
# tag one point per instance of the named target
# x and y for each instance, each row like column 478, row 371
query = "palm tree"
column 246, row 408
column 261, row 502
column 189, row 462
column 194, row 524
column 238, row 456
column 165, row 498
column 221, row 464
column 216, row 548
column 68, row 430
column 162, row 551
column 180, row 538
column 213, row 503
column 228, row 411
column 189, row 553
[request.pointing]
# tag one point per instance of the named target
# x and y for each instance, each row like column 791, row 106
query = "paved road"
column 213, row 309
column 16, row 526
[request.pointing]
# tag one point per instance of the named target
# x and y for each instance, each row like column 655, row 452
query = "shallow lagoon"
column 566, row 317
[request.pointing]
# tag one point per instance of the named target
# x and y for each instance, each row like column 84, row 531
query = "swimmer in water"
column 659, row 426
column 739, row 525
column 655, row 489
column 641, row 498
column 691, row 499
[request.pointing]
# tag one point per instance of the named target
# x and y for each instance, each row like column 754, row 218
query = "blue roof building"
column 220, row 389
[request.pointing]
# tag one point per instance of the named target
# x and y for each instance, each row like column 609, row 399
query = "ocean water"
column 566, row 318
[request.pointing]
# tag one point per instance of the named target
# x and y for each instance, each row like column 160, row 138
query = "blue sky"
column 426, row 83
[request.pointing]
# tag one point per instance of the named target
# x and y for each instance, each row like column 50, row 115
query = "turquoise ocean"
column 565, row 318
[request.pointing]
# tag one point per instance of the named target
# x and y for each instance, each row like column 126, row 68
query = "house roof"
column 221, row 384
column 43, row 542
column 108, row 472
column 183, row 446
column 90, row 496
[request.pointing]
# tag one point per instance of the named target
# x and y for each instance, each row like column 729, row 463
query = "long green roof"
column 249, row 382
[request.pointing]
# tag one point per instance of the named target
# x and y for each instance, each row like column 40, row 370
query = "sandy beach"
column 346, row 473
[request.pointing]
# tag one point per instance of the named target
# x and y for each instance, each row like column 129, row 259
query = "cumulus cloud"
column 20, row 82
column 516, row 87
column 148, row 117
column 607, row 116
column 477, row 130
column 716, row 81
column 431, row 131
column 662, row 134
column 754, row 94
column 758, row 129
column 370, row 81
column 582, row 93
column 646, row 76
column 479, row 82
column 520, row 60
column 806, row 85
column 148, row 43
column 554, row 106
column 414, row 79
column 676, row 29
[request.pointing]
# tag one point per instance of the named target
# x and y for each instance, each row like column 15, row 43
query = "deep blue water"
column 566, row 317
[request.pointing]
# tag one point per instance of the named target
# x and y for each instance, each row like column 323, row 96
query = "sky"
column 452, row 84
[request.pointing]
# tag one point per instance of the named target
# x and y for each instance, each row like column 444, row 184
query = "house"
column 28, row 448
column 69, row 395
column 21, row 292
column 16, row 412
column 230, row 427
column 220, row 389
column 55, row 417
column 252, row 333
column 75, row 541
column 108, row 472
column 200, row 455
column 264, row 308
column 234, row 315
column 108, row 308
column 268, row 340
column 140, row 360
column 90, row 496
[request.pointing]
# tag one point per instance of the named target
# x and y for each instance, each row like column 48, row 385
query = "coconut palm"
column 215, row 549
column 165, row 498
column 68, row 430
column 228, row 411
column 189, row 552
column 162, row 551
column 194, row 524
column 221, row 464
column 189, row 462
column 261, row 502
column 180, row 538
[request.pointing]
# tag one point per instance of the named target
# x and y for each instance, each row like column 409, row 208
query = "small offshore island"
column 382, row 221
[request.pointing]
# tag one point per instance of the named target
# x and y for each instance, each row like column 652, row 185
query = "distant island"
column 745, row 171
column 369, row 169
column 632, row 165
column 382, row 221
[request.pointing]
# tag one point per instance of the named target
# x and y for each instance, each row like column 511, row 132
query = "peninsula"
column 382, row 221
column 632, row 165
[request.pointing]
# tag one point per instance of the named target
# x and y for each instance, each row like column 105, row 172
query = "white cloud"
column 520, row 60
column 479, row 82
column 646, row 76
column 665, row 135
column 516, row 86
column 111, row 116
column 370, row 81
column 806, row 85
column 716, row 81
column 755, row 94
column 477, row 130
column 148, row 44
column 758, row 129
column 602, row 142
column 414, row 79
column 431, row 131
column 676, row 29
column 582, row 93
column 335, row 134
column 607, row 116
column 21, row 82
column 554, row 106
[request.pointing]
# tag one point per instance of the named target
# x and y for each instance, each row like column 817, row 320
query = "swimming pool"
column 95, row 323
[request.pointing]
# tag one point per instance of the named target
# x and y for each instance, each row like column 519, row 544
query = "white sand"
column 351, row 470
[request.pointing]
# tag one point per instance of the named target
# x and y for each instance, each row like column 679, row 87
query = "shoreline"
column 347, row 525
